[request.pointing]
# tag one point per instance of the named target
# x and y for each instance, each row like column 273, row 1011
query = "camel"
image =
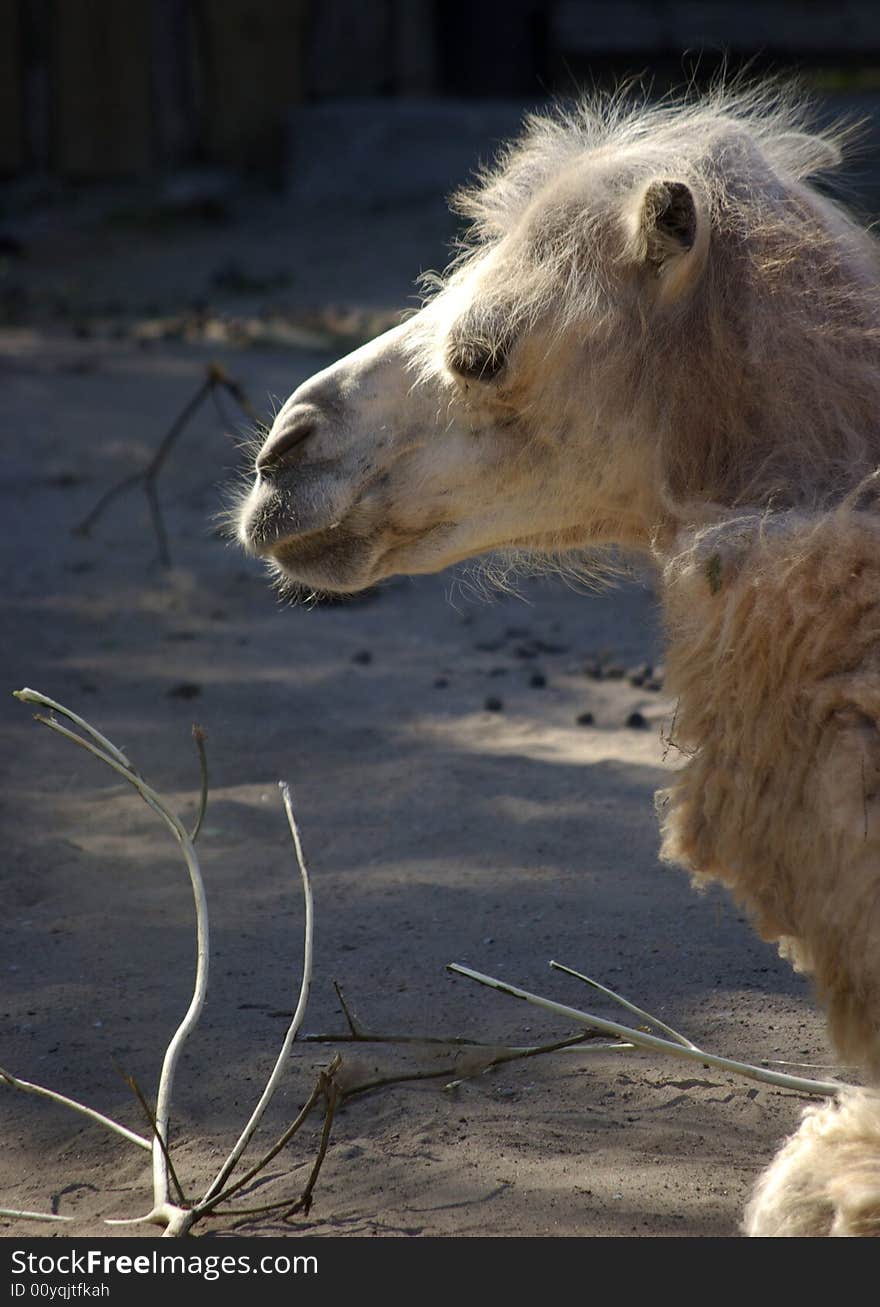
column 660, row 334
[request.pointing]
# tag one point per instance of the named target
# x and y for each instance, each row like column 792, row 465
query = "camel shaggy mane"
column 774, row 653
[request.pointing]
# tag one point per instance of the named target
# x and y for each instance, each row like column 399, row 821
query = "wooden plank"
column 12, row 132
column 252, row 56
column 103, row 114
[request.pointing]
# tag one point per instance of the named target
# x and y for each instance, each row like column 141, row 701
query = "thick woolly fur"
column 826, row 1179
column 774, row 653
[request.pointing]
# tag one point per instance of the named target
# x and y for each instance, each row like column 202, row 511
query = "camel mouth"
column 352, row 554
column 282, row 517
column 304, row 532
column 334, row 560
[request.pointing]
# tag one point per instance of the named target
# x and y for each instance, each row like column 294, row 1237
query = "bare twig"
column 444, row 1041
column 624, row 1002
column 208, row 1204
column 641, row 1039
column 304, row 1202
column 33, row 1216
column 106, row 746
column 354, row 1027
column 162, row 1211
column 557, row 1046
column 328, row 1087
column 215, row 377
column 478, row 1068
column 198, row 735
column 179, row 1216
column 151, row 1118
column 27, row 1087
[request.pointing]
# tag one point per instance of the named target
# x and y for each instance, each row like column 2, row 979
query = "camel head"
column 614, row 341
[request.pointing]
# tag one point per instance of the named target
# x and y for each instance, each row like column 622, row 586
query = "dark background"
column 106, row 89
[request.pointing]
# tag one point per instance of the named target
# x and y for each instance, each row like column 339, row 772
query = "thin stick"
column 248, row 1213
column 149, row 1114
column 158, row 521
column 85, row 526
column 522, row 1054
column 507, row 1055
column 235, row 389
column 653, row 1042
column 193, row 1012
column 150, row 472
column 304, row 1202
column 131, row 776
column 326, row 1087
column 444, row 1041
column 34, row 1216
column 198, row 735
column 106, row 746
column 27, row 1087
column 216, row 376
column 207, row 1204
column 297, row 1020
column 624, row 1002
column 353, row 1024
column 334, row 1095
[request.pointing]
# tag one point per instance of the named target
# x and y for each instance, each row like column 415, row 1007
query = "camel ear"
column 670, row 235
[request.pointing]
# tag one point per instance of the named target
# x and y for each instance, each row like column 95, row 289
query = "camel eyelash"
column 477, row 360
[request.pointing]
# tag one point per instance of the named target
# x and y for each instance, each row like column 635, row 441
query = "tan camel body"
column 661, row 336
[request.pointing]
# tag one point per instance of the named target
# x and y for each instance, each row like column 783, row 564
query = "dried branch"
column 106, row 746
column 162, row 1212
column 216, row 378
column 156, row 1134
column 643, row 1040
column 331, row 1097
column 179, row 1216
column 624, row 1002
column 353, row 1026
column 27, row 1087
column 198, row 735
column 207, row 1205
column 33, row 1216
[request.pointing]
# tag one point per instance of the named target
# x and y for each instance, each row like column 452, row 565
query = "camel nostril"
column 279, row 444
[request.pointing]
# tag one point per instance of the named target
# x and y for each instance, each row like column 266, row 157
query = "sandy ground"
column 436, row 830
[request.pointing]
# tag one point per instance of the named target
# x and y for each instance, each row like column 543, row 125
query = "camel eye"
column 477, row 360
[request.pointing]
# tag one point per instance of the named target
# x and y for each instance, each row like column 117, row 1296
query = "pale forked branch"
column 178, row 1217
column 215, row 378
column 27, row 695
column 116, row 760
column 28, row 1087
column 641, row 1039
column 624, row 1002
column 12, row 1214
